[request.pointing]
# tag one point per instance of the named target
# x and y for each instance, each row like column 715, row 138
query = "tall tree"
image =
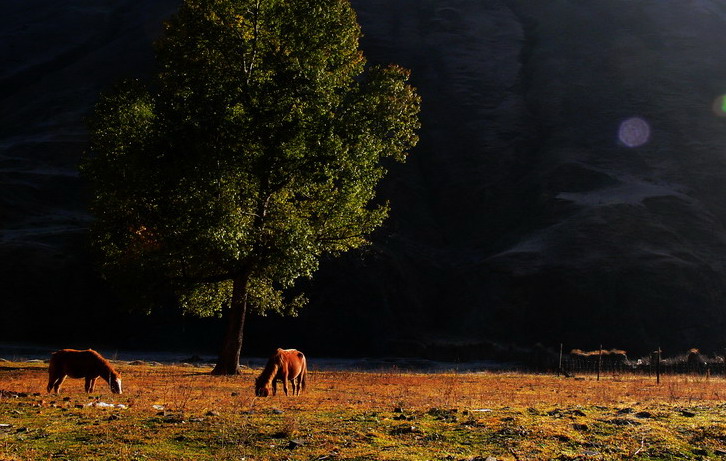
column 255, row 149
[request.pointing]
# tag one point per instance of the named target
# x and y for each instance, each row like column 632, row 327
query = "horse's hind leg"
column 284, row 383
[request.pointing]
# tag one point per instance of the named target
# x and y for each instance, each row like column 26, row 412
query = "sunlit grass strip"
column 177, row 412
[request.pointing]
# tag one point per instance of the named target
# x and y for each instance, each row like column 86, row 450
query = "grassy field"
column 180, row 413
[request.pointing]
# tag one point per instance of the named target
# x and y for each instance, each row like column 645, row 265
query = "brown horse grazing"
column 286, row 365
column 81, row 364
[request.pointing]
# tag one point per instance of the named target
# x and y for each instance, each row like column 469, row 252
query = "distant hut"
column 691, row 361
column 696, row 362
column 612, row 359
column 694, row 358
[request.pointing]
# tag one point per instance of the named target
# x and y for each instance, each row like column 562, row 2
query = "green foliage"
column 255, row 150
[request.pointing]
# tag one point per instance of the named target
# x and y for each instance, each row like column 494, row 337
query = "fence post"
column 599, row 363
column 657, row 366
column 559, row 365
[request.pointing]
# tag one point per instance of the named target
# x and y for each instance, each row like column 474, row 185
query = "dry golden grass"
column 179, row 412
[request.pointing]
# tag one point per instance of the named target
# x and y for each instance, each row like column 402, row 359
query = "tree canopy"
column 255, row 149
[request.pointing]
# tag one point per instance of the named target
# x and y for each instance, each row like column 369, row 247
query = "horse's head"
column 261, row 389
column 115, row 383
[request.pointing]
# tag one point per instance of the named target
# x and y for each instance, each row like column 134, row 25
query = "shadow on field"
column 22, row 368
column 200, row 373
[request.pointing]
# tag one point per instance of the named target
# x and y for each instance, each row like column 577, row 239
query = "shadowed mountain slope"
column 568, row 186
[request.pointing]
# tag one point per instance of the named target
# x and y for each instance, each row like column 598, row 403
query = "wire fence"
column 616, row 362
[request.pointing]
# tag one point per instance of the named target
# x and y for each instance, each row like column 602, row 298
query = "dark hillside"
column 568, row 186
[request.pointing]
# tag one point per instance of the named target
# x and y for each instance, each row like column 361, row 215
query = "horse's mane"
column 268, row 374
column 105, row 363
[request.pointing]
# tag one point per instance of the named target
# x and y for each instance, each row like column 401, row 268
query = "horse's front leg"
column 90, row 384
column 274, row 387
column 57, row 383
column 51, row 383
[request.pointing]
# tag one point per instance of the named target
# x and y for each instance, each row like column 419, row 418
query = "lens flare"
column 634, row 132
column 719, row 106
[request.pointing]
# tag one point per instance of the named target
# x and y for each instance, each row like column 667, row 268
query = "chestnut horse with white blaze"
column 285, row 365
column 86, row 364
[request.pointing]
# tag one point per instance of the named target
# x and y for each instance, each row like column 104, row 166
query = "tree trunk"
column 228, row 361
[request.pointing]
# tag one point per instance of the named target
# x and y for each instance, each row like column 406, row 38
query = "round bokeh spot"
column 634, row 132
column 719, row 106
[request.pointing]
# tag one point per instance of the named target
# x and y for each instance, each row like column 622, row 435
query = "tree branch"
column 255, row 38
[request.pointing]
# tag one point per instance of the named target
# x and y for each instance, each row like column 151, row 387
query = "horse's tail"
column 304, row 371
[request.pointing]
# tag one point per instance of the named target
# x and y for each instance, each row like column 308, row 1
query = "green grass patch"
column 168, row 413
